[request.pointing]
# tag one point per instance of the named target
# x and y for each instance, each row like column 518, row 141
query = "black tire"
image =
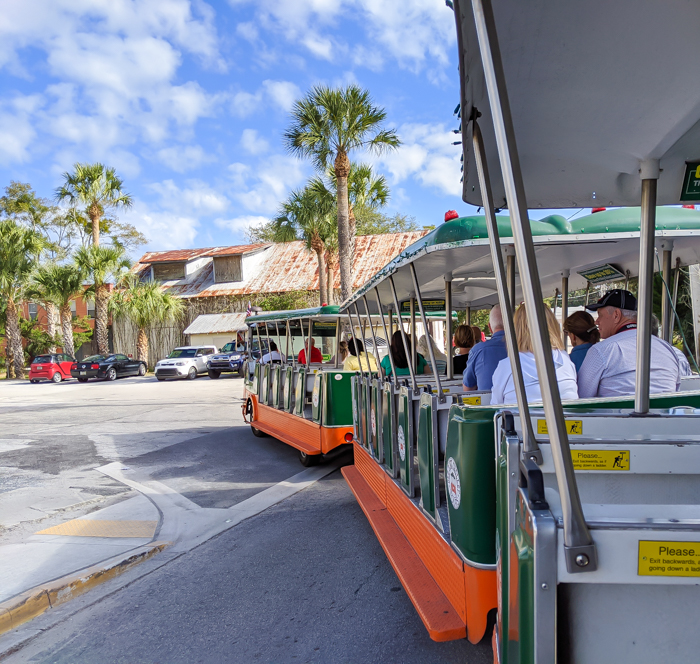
column 111, row 374
column 56, row 378
column 142, row 370
column 308, row 460
column 192, row 373
column 257, row 433
column 213, row 374
column 82, row 380
column 33, row 380
column 160, row 378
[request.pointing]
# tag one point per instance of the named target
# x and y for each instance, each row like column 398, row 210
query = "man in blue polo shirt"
column 485, row 356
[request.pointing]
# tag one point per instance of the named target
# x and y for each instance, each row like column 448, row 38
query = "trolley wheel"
column 308, row 460
column 213, row 374
column 257, row 433
column 56, row 378
column 192, row 373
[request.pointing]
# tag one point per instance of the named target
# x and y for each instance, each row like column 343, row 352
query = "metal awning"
column 595, row 88
column 217, row 324
column 460, row 248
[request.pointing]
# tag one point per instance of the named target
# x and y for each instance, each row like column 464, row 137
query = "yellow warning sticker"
column 601, row 459
column 471, row 401
column 573, row 427
column 669, row 558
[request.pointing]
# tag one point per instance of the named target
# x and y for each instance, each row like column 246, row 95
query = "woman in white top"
column 503, row 390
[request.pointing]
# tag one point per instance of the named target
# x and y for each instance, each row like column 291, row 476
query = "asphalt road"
column 303, row 581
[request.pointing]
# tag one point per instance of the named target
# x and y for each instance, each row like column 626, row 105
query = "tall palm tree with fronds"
column 365, row 191
column 96, row 187
column 38, row 292
column 327, row 125
column 20, row 248
column 62, row 283
column 145, row 304
column 102, row 264
column 305, row 216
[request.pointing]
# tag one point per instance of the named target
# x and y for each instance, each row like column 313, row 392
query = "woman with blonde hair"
column 503, row 390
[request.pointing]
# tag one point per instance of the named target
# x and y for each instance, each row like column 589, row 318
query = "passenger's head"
column 306, row 342
column 496, row 319
column 464, row 336
column 398, row 353
column 343, row 350
column 655, row 325
column 273, row 346
column 522, row 330
column 476, row 331
column 355, row 346
column 582, row 326
column 615, row 309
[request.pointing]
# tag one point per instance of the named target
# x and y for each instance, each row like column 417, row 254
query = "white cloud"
column 198, row 197
column 183, row 158
column 16, row 130
column 281, row 94
column 241, row 224
column 252, row 143
column 164, row 229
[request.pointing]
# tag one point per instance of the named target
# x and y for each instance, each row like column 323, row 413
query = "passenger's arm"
column 590, row 373
column 469, row 381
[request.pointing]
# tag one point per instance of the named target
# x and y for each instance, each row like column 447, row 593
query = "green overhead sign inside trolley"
column 691, row 182
column 428, row 305
column 602, row 273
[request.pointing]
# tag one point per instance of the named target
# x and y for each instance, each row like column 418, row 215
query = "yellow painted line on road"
column 97, row 528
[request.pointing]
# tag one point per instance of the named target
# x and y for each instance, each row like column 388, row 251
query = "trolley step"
column 440, row 618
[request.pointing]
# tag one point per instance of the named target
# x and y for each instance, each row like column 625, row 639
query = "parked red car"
column 55, row 367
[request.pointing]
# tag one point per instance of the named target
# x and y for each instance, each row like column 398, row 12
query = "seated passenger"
column 583, row 333
column 609, row 369
column 440, row 357
column 463, row 340
column 682, row 359
column 400, row 360
column 342, row 353
column 485, row 356
column 273, row 356
column 358, row 359
column 503, row 390
column 316, row 355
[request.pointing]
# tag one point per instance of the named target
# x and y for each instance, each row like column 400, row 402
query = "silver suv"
column 185, row 362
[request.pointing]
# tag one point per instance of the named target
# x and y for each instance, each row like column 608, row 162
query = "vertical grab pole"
column 388, row 339
column 308, row 348
column 675, row 293
column 429, row 339
column 666, row 266
column 530, row 447
column 565, row 304
column 510, row 274
column 362, row 334
column 579, row 549
column 403, row 335
column 448, row 326
column 286, row 343
column 649, row 174
column 414, row 336
column 374, row 340
column 337, row 342
column 468, row 315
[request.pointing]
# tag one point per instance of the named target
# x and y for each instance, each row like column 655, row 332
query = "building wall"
column 217, row 340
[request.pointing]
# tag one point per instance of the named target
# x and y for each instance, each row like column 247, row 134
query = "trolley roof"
column 327, row 313
column 595, row 88
column 460, row 249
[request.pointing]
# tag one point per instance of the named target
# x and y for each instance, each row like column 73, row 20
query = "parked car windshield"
column 183, row 352
column 230, row 347
column 42, row 359
column 93, row 358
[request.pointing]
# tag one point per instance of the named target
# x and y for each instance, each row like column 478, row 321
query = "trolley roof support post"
column 362, row 334
column 337, row 342
column 530, row 447
column 565, row 304
column 676, row 282
column 403, row 335
column 279, row 340
column 448, row 325
column 386, row 334
column 414, row 336
column 468, row 314
column 286, row 342
column 510, row 274
column 429, row 339
column 649, row 174
column 666, row 302
column 579, row 550
column 374, row 340
column 308, row 344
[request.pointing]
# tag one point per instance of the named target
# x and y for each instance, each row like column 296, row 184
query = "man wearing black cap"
column 609, row 369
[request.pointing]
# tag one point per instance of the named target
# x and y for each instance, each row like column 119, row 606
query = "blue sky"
column 188, row 101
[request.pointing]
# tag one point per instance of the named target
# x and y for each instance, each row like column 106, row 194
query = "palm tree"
column 365, row 191
column 97, row 188
column 38, row 291
column 62, row 283
column 145, row 304
column 306, row 217
column 102, row 264
column 327, row 125
column 19, row 251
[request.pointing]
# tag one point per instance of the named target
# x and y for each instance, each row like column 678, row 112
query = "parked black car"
column 109, row 367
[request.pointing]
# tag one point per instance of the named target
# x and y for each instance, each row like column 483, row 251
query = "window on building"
column 90, row 308
column 73, row 312
column 33, row 311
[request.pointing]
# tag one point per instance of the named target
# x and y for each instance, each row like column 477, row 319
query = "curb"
column 32, row 603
